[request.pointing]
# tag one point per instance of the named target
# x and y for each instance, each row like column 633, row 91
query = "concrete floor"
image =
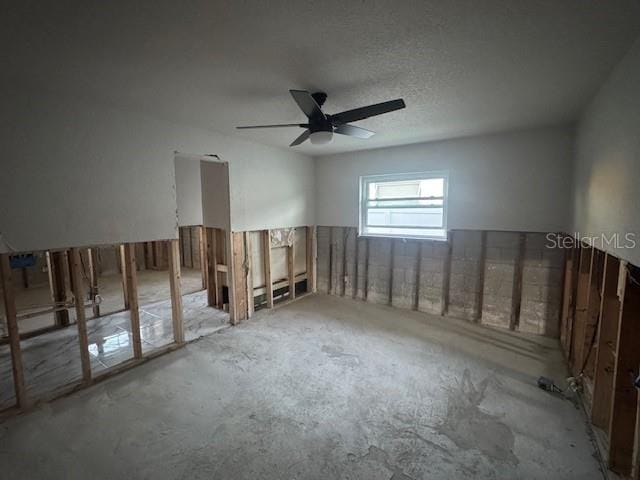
column 321, row 388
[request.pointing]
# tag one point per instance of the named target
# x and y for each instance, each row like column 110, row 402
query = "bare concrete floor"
column 321, row 388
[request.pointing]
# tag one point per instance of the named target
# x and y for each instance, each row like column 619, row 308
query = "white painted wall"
column 512, row 181
column 607, row 196
column 215, row 194
column 188, row 190
column 272, row 191
column 75, row 173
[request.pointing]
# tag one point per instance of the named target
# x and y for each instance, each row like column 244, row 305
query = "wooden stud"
column 345, row 241
column 593, row 312
column 12, row 330
column 58, row 262
column 176, row 295
column 248, row 246
column 130, row 268
column 365, row 292
column 123, row 269
column 356, row 266
column 222, row 241
column 202, row 242
column 93, row 282
column 266, row 258
column 624, row 413
column 446, row 276
column 181, row 236
column 75, row 274
column 52, row 293
column 213, row 291
column 416, row 299
column 582, row 302
column 191, row 262
column 238, row 290
column 477, row 317
column 311, row 259
column 567, row 300
column 607, row 337
column 291, row 268
column 330, row 279
column 391, row 267
column 516, row 291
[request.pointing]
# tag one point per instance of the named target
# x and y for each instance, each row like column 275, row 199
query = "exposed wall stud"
column 291, row 270
column 607, row 337
column 331, row 249
column 345, row 241
column 93, row 282
column 625, row 396
column 248, row 247
column 416, row 299
column 356, row 266
column 582, row 302
column 392, row 254
column 446, row 275
column 123, row 270
column 202, row 242
column 481, row 272
column 212, row 267
column 176, row 295
column 130, row 271
column 75, row 269
column 311, row 259
column 12, row 330
column 365, row 275
column 266, row 257
column 58, row 262
column 516, row 292
column 238, row 290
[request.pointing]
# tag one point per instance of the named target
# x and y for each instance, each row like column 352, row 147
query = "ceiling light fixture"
column 321, row 137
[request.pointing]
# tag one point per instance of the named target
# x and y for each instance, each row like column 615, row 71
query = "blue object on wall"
column 23, row 261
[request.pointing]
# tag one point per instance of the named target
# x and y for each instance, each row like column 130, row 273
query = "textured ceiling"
column 463, row 66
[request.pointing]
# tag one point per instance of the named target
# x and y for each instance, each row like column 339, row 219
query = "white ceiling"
column 463, row 66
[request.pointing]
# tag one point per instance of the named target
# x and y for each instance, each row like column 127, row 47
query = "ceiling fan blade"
column 303, row 125
column 306, row 103
column 303, row 136
column 366, row 112
column 353, row 131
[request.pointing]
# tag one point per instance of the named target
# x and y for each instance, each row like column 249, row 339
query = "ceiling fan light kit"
column 321, row 127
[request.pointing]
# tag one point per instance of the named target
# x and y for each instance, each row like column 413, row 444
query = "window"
column 404, row 205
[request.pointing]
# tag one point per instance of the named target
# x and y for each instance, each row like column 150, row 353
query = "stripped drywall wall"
column 608, row 162
column 517, row 181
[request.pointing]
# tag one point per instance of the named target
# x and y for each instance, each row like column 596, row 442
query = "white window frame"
column 365, row 180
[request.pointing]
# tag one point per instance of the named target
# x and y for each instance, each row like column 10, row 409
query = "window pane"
column 412, row 206
column 418, row 217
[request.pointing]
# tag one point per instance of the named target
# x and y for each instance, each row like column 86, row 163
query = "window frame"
column 365, row 180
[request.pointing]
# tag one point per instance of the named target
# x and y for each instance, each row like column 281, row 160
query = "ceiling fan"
column 321, row 126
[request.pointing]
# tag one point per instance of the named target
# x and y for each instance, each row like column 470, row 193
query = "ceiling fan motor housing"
column 319, row 124
column 320, row 98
